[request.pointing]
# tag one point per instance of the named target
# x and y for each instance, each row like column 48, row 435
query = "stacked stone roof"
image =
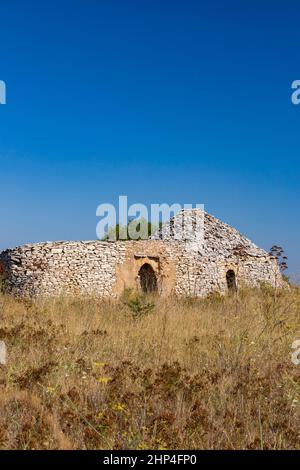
column 213, row 237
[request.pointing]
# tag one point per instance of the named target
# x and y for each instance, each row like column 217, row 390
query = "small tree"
column 277, row 253
column 141, row 226
column 139, row 304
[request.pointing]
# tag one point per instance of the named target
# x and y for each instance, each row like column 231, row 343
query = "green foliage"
column 141, row 226
column 138, row 304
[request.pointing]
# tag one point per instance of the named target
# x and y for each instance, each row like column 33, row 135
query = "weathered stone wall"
column 97, row 268
column 206, row 254
column 104, row 269
column 193, row 266
column 61, row 267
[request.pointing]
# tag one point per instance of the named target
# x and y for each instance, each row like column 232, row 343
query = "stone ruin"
column 208, row 257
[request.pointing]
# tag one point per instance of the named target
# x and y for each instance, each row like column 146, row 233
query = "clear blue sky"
column 164, row 101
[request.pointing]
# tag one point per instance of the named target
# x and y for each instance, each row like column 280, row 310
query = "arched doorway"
column 231, row 280
column 147, row 278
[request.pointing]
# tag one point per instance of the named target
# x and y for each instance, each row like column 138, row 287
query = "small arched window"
column 231, row 280
column 147, row 278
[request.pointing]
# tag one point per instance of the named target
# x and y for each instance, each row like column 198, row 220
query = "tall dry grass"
column 209, row 374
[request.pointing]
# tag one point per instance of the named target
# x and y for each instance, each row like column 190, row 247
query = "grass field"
column 151, row 373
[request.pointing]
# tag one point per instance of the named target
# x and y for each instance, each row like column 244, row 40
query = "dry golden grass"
column 208, row 374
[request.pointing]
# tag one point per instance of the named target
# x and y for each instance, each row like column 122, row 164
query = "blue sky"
column 163, row 101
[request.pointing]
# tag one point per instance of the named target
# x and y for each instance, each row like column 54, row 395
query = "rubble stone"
column 194, row 264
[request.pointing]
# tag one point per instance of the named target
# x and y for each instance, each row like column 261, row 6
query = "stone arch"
column 231, row 280
column 148, row 279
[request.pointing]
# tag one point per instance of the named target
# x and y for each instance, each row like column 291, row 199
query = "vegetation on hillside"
column 183, row 374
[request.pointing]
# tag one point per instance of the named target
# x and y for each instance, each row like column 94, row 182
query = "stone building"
column 206, row 257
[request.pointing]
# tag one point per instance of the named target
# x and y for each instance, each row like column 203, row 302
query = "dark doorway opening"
column 148, row 278
column 231, row 280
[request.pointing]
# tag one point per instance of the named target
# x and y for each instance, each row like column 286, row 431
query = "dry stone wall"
column 194, row 266
column 62, row 268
